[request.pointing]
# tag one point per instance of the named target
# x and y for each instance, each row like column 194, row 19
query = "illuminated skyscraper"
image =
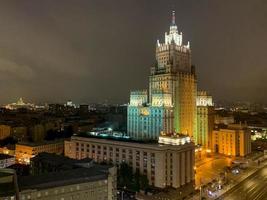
column 170, row 104
column 205, row 119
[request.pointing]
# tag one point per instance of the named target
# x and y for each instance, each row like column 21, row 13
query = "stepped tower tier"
column 171, row 105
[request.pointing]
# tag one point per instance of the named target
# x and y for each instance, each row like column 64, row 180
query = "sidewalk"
column 169, row 193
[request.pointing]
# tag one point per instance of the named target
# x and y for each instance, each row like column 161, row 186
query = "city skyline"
column 133, row 100
column 51, row 52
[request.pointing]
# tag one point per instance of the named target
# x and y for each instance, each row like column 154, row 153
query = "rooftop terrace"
column 115, row 137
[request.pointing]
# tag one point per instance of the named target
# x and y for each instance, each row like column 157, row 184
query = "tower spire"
column 173, row 18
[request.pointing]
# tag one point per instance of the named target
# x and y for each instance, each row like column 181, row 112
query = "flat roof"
column 68, row 177
column 128, row 141
column 70, row 171
column 45, row 142
column 116, row 138
column 60, row 160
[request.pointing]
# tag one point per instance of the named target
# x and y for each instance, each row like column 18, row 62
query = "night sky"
column 96, row 51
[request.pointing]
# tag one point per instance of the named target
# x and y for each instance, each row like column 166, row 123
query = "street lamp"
column 200, row 192
column 200, row 188
column 122, row 194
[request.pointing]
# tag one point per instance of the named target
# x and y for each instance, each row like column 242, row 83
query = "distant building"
column 70, row 104
column 169, row 105
column 258, row 132
column 20, row 104
column 83, row 109
column 205, row 119
column 20, row 132
column 61, row 109
column 224, row 119
column 8, row 149
column 234, row 140
column 170, row 163
column 5, row 131
column 26, row 150
column 6, row 160
column 38, row 131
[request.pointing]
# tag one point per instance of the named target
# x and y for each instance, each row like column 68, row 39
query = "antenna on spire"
column 173, row 18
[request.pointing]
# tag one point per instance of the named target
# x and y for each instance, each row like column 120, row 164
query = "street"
column 252, row 188
column 210, row 168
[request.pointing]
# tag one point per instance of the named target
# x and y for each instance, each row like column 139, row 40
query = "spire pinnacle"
column 173, row 18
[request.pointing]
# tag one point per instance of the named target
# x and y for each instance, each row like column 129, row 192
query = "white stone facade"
column 164, row 165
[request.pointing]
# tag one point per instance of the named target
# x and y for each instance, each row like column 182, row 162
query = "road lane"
column 252, row 188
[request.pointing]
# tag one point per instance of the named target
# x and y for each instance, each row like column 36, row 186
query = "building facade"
column 6, row 160
column 25, row 151
column 93, row 190
column 205, row 119
column 5, row 131
column 235, row 140
column 93, row 182
column 169, row 105
column 163, row 164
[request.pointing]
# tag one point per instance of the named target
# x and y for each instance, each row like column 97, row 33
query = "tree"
column 7, row 141
column 68, row 132
column 133, row 181
column 125, row 175
column 136, row 182
column 143, row 182
column 51, row 135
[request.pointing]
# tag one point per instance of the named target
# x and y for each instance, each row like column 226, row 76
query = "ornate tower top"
column 173, row 18
column 173, row 36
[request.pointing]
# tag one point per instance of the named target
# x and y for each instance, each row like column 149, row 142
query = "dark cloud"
column 99, row 50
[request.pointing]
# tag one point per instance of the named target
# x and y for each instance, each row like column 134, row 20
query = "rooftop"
column 68, row 171
column 175, row 142
column 34, row 144
column 58, row 159
column 122, row 138
column 231, row 127
column 67, row 177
